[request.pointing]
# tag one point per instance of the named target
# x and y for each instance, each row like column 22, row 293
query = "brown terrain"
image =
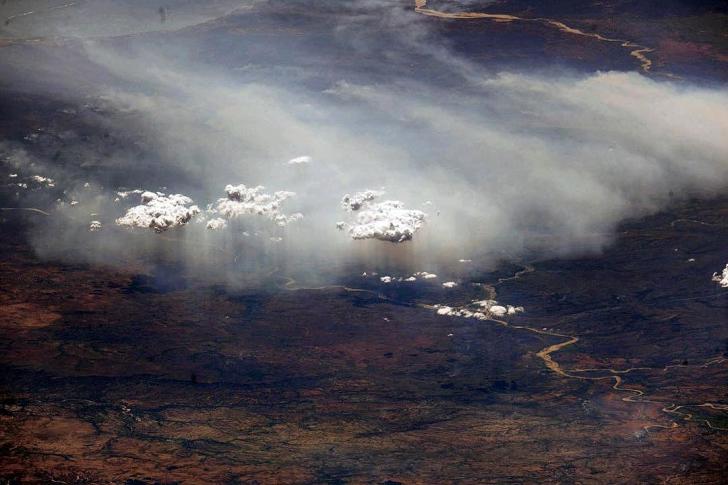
column 617, row 371
column 110, row 378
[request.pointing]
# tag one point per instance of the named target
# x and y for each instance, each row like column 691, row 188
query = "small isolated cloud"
column 160, row 212
column 722, row 278
column 216, row 224
column 303, row 160
column 123, row 194
column 425, row 275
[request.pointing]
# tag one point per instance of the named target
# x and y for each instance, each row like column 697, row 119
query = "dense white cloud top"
column 160, row 212
column 387, row 221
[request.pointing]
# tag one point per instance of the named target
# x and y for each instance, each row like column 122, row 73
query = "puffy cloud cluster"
column 479, row 309
column 722, row 278
column 24, row 182
column 46, row 181
column 420, row 274
column 160, row 212
column 242, row 201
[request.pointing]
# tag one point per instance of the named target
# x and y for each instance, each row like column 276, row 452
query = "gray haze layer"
column 505, row 164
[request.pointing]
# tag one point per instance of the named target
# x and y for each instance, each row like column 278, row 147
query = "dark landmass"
column 616, row 372
column 685, row 39
column 110, row 376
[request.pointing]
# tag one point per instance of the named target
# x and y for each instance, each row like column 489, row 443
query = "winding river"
column 636, row 50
